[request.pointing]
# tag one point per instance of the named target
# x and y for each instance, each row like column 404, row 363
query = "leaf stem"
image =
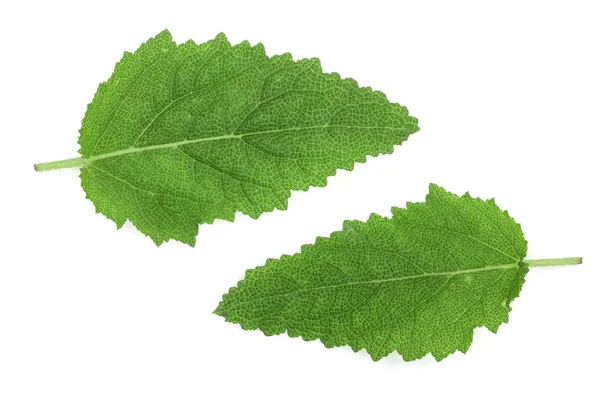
column 550, row 262
column 69, row 163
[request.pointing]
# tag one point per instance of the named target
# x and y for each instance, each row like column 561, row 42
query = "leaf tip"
column 219, row 310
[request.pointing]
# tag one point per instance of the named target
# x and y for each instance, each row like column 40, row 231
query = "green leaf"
column 418, row 282
column 181, row 135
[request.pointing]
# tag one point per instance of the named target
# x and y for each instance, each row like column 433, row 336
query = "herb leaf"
column 181, row 135
column 416, row 283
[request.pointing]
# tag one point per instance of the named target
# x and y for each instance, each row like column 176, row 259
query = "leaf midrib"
column 395, row 279
column 131, row 150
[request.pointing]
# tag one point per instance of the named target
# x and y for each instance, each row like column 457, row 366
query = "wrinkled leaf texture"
column 181, row 135
column 416, row 283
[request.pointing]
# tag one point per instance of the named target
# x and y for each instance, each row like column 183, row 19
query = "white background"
column 508, row 98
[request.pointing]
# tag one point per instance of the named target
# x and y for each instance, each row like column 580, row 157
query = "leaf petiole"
column 551, row 262
column 70, row 163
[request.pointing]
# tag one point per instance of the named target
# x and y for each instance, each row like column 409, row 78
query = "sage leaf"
column 416, row 283
column 181, row 135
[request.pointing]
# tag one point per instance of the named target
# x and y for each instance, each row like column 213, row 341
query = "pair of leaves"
column 181, row 135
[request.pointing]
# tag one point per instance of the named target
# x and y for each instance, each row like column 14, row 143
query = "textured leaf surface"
column 182, row 135
column 417, row 283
